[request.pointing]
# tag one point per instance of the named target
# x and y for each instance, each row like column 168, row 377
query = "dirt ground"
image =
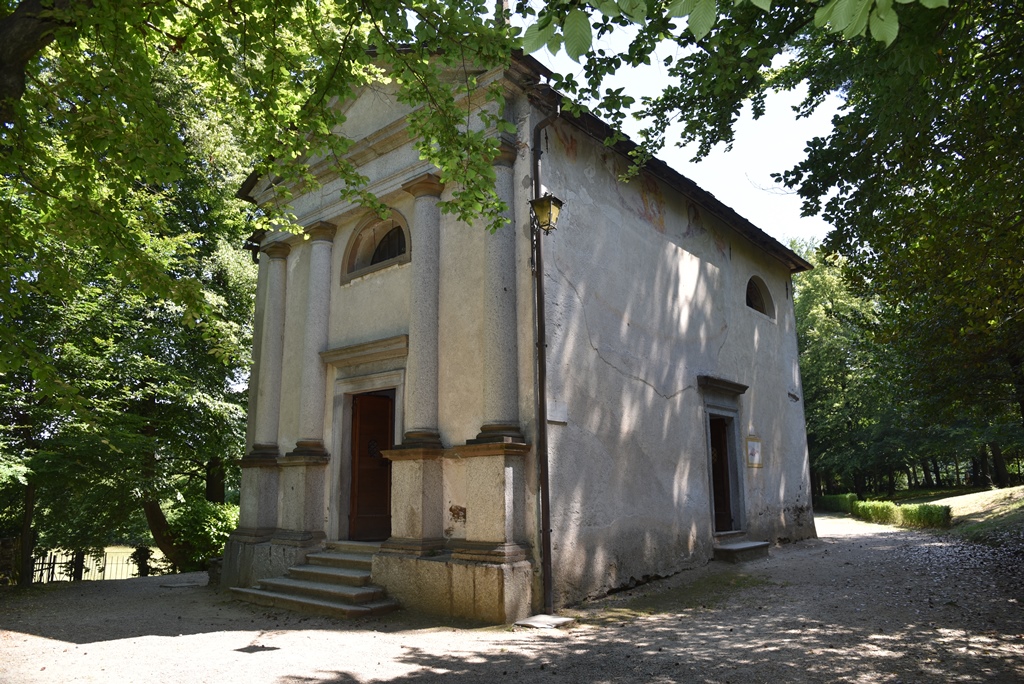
column 862, row 603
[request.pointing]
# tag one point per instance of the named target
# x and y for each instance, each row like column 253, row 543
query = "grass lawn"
column 987, row 516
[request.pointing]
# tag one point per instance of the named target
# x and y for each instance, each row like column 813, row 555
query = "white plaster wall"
column 376, row 305
column 646, row 291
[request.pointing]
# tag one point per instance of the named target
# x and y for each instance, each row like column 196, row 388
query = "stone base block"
column 741, row 552
column 496, row 593
column 246, row 563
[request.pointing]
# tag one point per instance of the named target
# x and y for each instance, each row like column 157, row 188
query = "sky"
column 741, row 178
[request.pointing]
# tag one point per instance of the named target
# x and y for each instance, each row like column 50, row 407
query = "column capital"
column 321, row 231
column 277, row 250
column 426, row 185
column 506, row 156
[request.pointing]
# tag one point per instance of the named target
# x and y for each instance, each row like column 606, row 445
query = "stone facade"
column 675, row 411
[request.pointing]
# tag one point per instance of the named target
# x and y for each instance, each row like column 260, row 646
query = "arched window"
column 758, row 297
column 390, row 246
column 375, row 245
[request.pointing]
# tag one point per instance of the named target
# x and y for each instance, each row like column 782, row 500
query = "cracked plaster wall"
column 646, row 291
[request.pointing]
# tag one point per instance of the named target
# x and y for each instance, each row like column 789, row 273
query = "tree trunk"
column 77, row 566
column 938, row 471
column 215, row 480
column 28, row 541
column 1016, row 361
column 860, row 486
column 892, row 482
column 176, row 552
column 984, row 472
column 927, row 474
column 1001, row 473
column 23, row 35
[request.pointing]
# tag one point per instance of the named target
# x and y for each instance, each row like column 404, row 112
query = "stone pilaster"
column 268, row 393
column 258, row 504
column 422, row 374
column 313, row 388
column 257, row 517
column 301, row 501
column 501, row 378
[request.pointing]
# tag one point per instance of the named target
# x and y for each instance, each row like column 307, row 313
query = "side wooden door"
column 372, row 432
column 720, row 476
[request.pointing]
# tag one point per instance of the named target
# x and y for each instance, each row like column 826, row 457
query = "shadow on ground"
column 890, row 606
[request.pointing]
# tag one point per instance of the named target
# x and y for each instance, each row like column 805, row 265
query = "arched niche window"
column 376, row 244
column 758, row 297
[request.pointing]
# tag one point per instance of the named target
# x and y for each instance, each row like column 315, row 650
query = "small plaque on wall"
column 754, row 452
column 558, row 412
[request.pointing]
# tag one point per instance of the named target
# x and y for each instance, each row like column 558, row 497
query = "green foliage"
column 851, row 18
column 906, row 515
column 925, row 515
column 909, row 515
column 881, row 512
column 204, row 527
column 842, row 503
column 884, row 394
column 139, row 392
column 96, row 151
column 921, row 179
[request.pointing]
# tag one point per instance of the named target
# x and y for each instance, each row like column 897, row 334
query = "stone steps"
column 741, row 551
column 334, row 582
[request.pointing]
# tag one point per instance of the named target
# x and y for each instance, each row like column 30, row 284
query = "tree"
column 163, row 422
column 85, row 136
column 839, row 367
column 151, row 415
column 887, row 393
column 920, row 178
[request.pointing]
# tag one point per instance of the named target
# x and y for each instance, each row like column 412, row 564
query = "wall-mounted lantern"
column 545, row 211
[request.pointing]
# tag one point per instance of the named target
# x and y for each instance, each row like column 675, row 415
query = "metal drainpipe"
column 542, row 377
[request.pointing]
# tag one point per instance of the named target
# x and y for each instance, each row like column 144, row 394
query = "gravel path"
column 863, row 603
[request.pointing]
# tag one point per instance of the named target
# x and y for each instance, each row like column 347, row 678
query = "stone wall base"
column 246, row 563
column 497, row 593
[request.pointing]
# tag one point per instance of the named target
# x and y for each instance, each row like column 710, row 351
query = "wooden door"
column 372, row 432
column 721, row 487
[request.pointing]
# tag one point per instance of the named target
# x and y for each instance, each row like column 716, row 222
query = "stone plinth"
column 301, row 504
column 416, row 501
column 497, row 593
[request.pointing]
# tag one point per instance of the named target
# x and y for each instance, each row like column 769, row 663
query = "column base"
column 489, row 552
column 252, row 535
column 261, row 456
column 301, row 538
column 413, row 547
column 307, row 451
column 421, row 439
column 499, row 433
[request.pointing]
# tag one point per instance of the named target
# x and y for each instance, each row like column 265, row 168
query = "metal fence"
column 56, row 566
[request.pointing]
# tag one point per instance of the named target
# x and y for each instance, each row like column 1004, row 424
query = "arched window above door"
column 375, row 245
column 759, row 298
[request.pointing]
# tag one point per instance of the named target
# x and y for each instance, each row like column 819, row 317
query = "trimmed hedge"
column 842, row 503
column 925, row 515
column 889, row 513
